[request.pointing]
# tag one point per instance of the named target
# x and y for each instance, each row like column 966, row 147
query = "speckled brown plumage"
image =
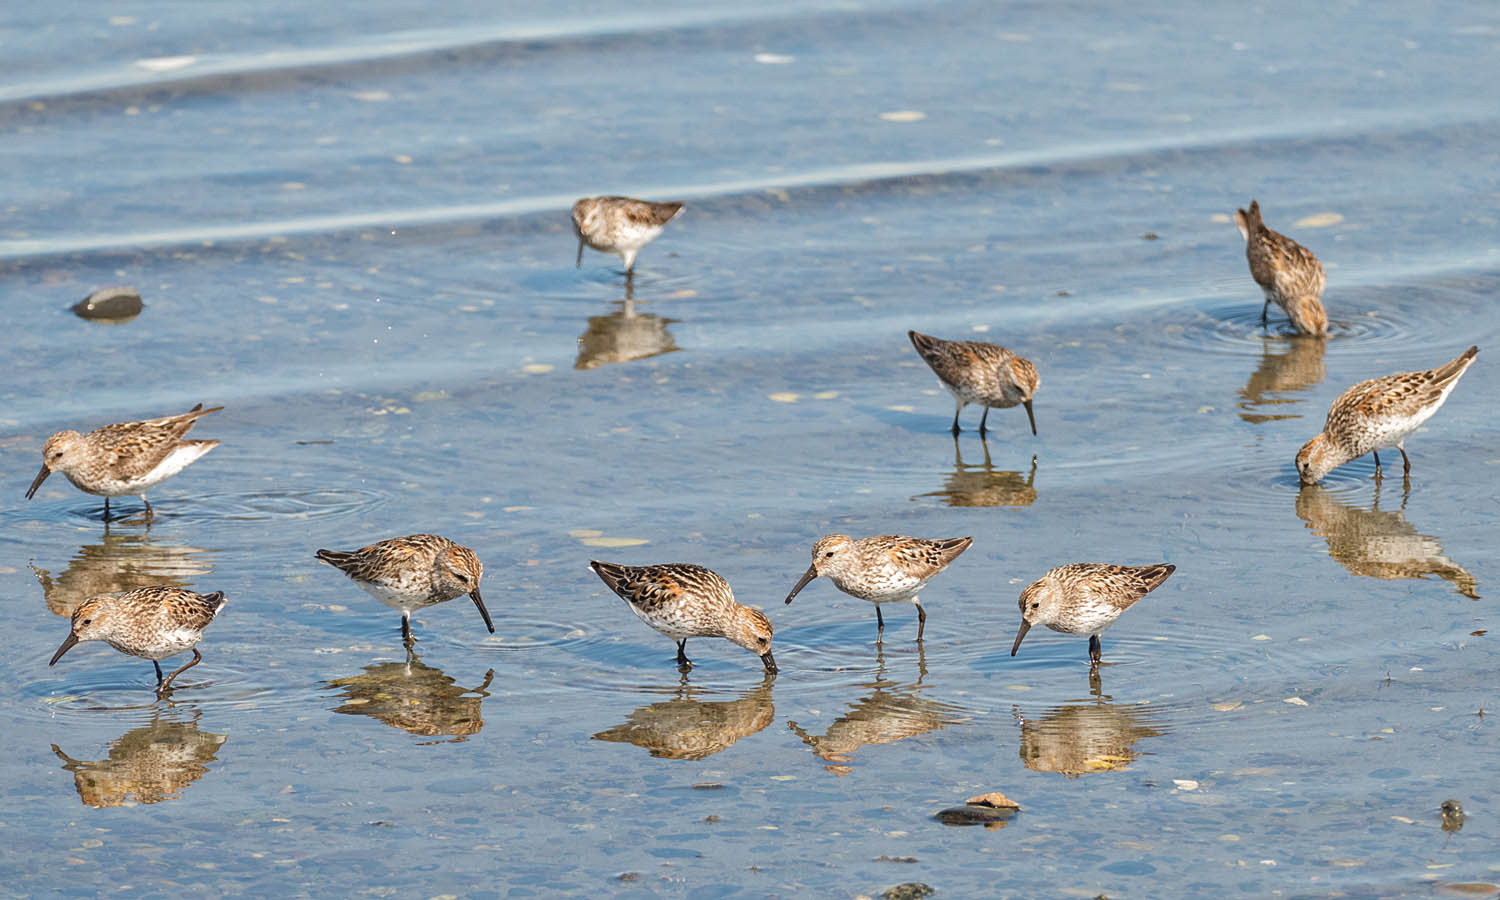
column 1379, row 543
column 415, row 697
column 151, row 622
column 149, row 764
column 977, row 372
column 1287, row 272
column 1376, row 414
column 889, row 568
column 1086, row 598
column 123, row 460
column 683, row 600
column 413, row 572
column 620, row 225
column 688, row 728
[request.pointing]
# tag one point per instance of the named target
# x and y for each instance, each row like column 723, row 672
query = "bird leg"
column 149, row 514
column 921, row 619
column 406, row 636
column 166, row 686
column 982, row 420
column 106, row 510
column 1094, row 650
column 1376, row 454
column 956, row 429
column 158, row 675
column 682, row 659
column 879, row 625
column 1263, row 310
column 1405, row 463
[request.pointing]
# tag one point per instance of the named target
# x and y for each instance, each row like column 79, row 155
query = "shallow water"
column 351, row 231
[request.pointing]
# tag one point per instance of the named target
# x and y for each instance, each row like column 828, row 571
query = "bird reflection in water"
column 1379, row 543
column 1079, row 738
column 149, row 764
column 120, row 562
column 416, row 698
column 1296, row 367
column 688, row 728
column 982, row 485
column 624, row 335
column 890, row 713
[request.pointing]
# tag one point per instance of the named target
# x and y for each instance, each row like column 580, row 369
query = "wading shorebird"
column 412, row 573
column 150, row 622
column 1376, row 414
column 620, row 225
column 1287, row 272
column 1086, row 598
column 886, row 569
column 977, row 372
column 124, row 460
column 682, row 600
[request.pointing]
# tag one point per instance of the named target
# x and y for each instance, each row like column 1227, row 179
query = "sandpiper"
column 413, row 572
column 682, row 600
column 124, row 460
column 620, row 225
column 977, row 372
column 150, row 622
column 886, row 569
column 1086, row 598
column 1379, row 413
column 1287, row 272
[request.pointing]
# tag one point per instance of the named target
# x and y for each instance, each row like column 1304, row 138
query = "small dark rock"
column 1150, row 236
column 1063, row 294
column 116, row 303
column 896, row 859
column 628, row 876
column 912, row 890
column 973, row 814
column 710, row 819
column 708, row 786
column 1453, row 815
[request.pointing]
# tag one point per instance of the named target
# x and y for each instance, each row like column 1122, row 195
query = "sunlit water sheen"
column 351, row 231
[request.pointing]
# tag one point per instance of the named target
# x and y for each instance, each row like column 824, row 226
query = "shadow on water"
column 122, row 561
column 622, row 336
column 1287, row 366
column 688, row 728
column 415, row 698
column 1379, row 543
column 891, row 712
column 982, row 485
column 149, row 764
column 1080, row 738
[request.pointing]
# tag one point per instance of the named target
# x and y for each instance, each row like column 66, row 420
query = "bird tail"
column 1248, row 221
column 1452, row 370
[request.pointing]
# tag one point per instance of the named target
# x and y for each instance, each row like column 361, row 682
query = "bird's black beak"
column 1029, row 415
column 1025, row 627
column 474, row 595
column 578, row 264
column 769, row 660
column 67, row 645
column 40, row 477
column 809, row 575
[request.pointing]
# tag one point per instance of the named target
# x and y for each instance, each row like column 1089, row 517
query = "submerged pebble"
column 912, row 890
column 118, row 302
column 974, row 814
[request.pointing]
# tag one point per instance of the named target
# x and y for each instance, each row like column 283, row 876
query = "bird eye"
column 828, row 555
column 87, row 621
column 461, row 577
column 1035, row 605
